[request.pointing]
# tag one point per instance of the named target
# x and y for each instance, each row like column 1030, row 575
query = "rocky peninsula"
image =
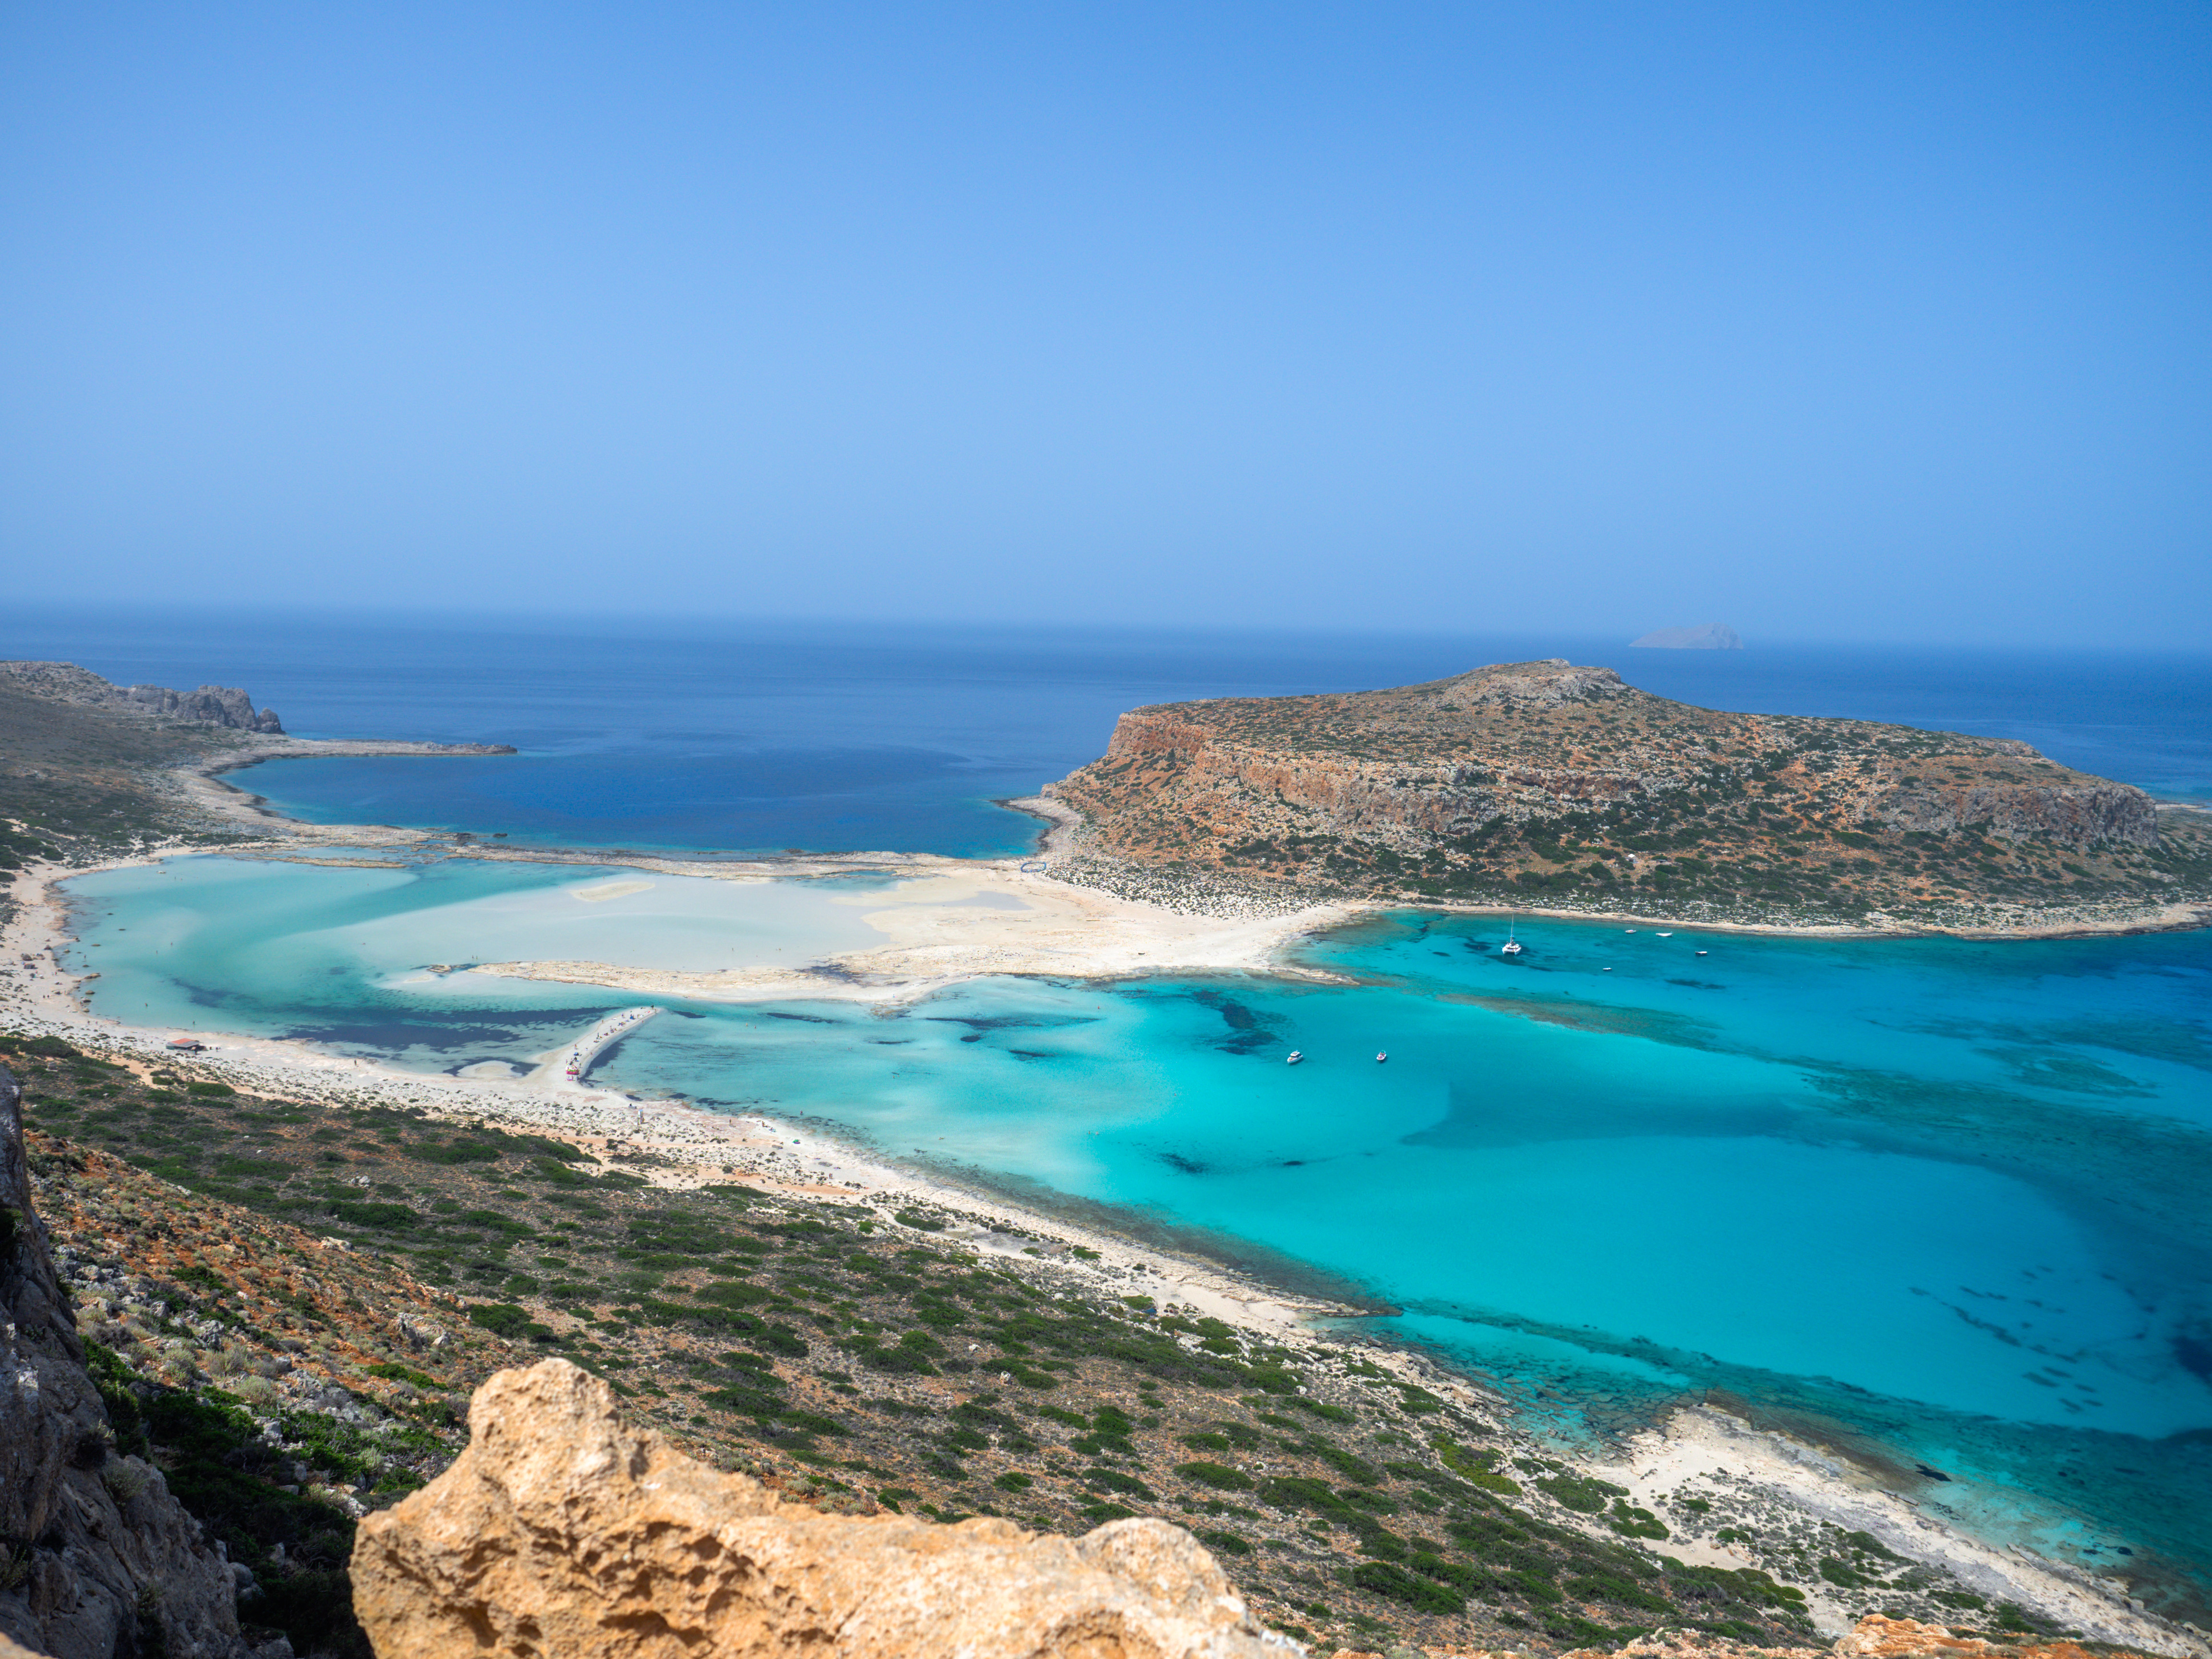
column 1546, row 785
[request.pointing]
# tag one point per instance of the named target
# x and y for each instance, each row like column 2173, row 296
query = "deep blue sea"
column 1939, row 1202
column 874, row 737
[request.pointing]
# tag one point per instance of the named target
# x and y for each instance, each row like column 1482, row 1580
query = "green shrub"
column 1351, row 1468
column 450, row 1153
column 920, row 1220
column 1217, row 1475
column 391, row 1372
column 1584, row 1495
column 1394, row 1582
column 1374, row 1503
column 1114, row 1481
column 1631, row 1521
column 1013, row 1481
column 737, row 1295
column 500, row 1318
column 210, row 1089
column 493, row 1221
column 1456, row 1574
column 380, row 1216
column 1225, row 1543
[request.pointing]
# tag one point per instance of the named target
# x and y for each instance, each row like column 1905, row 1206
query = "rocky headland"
column 226, row 706
column 91, row 770
column 1548, row 785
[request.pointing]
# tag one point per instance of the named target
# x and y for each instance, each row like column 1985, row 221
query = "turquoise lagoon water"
column 1931, row 1201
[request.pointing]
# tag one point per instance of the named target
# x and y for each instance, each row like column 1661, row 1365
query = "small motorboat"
column 1381, row 1056
column 1294, row 1057
column 1666, row 935
column 1628, row 930
column 1704, row 953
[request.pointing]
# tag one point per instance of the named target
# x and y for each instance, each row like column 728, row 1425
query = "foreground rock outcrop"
column 561, row 1532
column 97, row 1560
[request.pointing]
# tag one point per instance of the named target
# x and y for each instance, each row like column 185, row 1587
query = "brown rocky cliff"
column 97, row 1559
column 1483, row 775
column 560, row 1532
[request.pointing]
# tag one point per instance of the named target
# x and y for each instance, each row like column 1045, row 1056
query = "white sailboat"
column 1512, row 945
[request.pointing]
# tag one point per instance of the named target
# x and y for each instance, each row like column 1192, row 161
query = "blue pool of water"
column 1933, row 1199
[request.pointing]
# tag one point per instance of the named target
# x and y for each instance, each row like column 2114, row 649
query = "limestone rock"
column 115, row 1566
column 2088, row 814
column 1876, row 1638
column 213, row 705
column 559, row 1532
column 1712, row 636
column 216, row 705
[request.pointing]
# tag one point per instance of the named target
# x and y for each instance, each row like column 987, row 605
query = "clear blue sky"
column 1830, row 321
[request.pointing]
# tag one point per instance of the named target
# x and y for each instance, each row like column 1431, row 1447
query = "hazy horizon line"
column 646, row 619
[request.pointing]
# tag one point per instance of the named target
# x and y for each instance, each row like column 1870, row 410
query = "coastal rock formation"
column 559, row 1531
column 100, row 1560
column 1712, row 636
column 1547, row 775
column 2075, row 816
column 211, row 705
column 217, row 705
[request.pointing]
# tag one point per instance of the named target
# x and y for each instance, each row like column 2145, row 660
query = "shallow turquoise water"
column 1946, row 1198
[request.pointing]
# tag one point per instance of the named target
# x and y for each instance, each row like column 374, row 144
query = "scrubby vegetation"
column 1578, row 793
column 293, row 1336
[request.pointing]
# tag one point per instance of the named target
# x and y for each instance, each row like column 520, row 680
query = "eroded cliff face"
column 1489, row 773
column 561, row 1532
column 97, row 1559
column 211, row 705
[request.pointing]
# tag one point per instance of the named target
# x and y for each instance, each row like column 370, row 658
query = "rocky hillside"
column 1547, row 782
column 98, row 1557
column 564, row 1530
column 283, row 1305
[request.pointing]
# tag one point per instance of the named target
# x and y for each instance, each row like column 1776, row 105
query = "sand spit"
column 953, row 920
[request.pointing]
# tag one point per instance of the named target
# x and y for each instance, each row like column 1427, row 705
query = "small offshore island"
column 746, row 1284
